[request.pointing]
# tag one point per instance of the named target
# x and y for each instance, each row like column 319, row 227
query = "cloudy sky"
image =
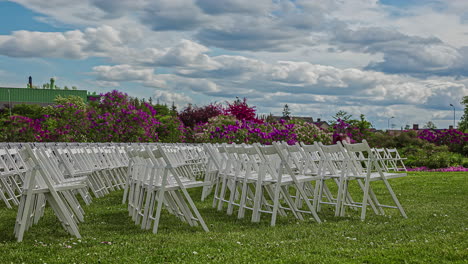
column 406, row 59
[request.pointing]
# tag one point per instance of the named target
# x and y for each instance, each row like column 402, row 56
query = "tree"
column 463, row 124
column 286, row 112
column 430, row 125
column 173, row 109
column 362, row 123
column 241, row 110
column 193, row 115
column 341, row 115
column 407, row 127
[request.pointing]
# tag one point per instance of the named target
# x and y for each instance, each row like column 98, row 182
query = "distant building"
column 395, row 132
column 9, row 97
column 322, row 124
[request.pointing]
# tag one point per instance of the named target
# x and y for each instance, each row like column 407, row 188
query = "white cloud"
column 166, row 97
column 122, row 73
column 75, row 44
column 314, row 55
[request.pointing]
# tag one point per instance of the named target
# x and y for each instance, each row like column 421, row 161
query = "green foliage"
column 162, row 110
column 406, row 139
column 77, row 101
column 418, row 152
column 171, row 129
column 286, row 112
column 430, row 125
column 33, row 111
column 431, row 156
column 341, row 115
column 309, row 133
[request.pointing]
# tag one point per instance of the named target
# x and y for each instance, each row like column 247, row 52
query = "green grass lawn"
column 435, row 232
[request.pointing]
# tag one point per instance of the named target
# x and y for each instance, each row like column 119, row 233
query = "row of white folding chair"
column 389, row 159
column 329, row 162
column 103, row 166
column 159, row 177
column 107, row 169
column 66, row 169
column 258, row 178
column 12, row 169
column 215, row 162
column 363, row 166
column 45, row 183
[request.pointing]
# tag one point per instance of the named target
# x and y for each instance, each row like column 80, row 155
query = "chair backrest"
column 334, row 158
column 362, row 158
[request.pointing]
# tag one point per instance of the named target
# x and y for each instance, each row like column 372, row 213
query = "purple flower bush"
column 454, row 139
column 23, row 129
column 342, row 130
column 449, row 169
column 114, row 118
column 193, row 115
column 228, row 129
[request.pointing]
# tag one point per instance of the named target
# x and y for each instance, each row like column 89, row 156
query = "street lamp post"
column 389, row 121
column 453, row 115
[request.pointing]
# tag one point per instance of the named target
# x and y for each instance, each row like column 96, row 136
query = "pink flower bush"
column 113, row 118
column 454, row 139
column 450, row 169
column 228, row 129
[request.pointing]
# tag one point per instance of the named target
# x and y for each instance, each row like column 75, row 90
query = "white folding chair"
column 282, row 173
column 11, row 177
column 159, row 177
column 44, row 181
column 396, row 161
column 367, row 168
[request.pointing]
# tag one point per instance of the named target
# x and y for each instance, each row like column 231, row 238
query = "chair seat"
column 375, row 176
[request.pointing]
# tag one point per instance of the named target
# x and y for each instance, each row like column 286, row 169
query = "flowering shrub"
column 308, row 133
column 342, row 129
column 432, row 156
column 449, row 169
column 454, row 139
column 23, row 129
column 65, row 123
column 231, row 130
column 113, row 118
column 192, row 116
column 242, row 111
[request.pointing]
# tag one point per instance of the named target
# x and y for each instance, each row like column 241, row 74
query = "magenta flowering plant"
column 341, row 129
column 66, row 123
column 242, row 111
column 23, row 129
column 449, row 169
column 454, row 139
column 115, row 118
column 193, row 115
column 228, row 129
